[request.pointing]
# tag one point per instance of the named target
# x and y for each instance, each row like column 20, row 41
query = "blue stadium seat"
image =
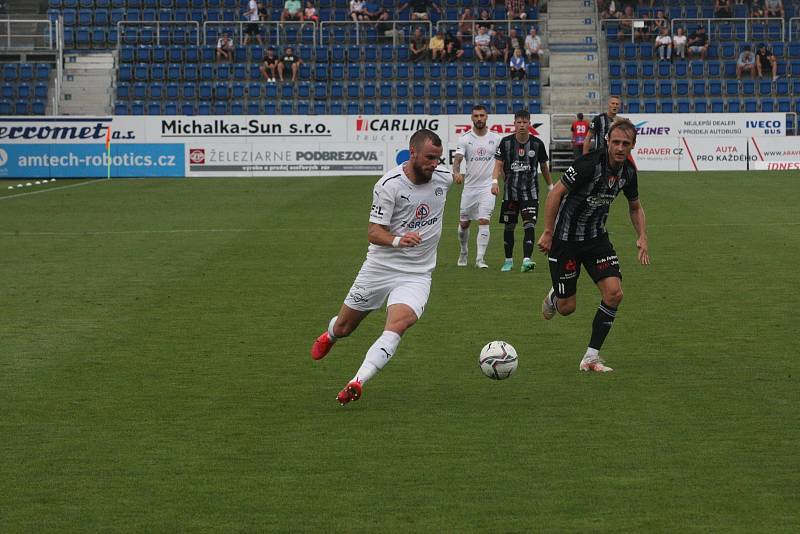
column 717, row 105
column 734, row 105
column 700, row 106
column 666, row 106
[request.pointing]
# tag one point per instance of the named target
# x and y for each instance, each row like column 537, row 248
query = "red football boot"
column 351, row 392
column 321, row 346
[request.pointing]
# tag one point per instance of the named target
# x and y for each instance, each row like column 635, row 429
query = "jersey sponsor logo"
column 359, row 294
column 600, row 200
column 438, row 191
column 569, row 175
column 531, row 153
column 197, row 156
column 421, row 216
column 377, row 210
column 518, row 166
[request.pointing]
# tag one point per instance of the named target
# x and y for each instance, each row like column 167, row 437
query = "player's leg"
column 564, row 273
column 485, row 210
column 406, row 302
column 368, row 292
column 463, row 233
column 508, row 217
column 603, row 266
column 529, row 213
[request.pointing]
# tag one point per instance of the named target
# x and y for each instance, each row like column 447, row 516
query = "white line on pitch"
column 51, row 189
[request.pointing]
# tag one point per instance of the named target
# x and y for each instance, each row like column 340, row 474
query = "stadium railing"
column 132, row 32
column 352, row 32
column 277, row 33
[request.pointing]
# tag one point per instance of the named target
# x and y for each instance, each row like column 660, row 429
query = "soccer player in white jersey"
column 405, row 225
column 477, row 147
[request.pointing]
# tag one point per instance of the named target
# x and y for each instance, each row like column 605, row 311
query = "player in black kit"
column 575, row 233
column 518, row 158
column 598, row 129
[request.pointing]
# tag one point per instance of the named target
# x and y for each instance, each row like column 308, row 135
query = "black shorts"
column 512, row 208
column 251, row 29
column 566, row 257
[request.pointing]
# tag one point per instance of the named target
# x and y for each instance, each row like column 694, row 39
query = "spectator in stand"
column 292, row 11
column 757, row 10
column 269, row 65
column 357, row 10
column 224, row 48
column 698, row 43
column 515, row 10
column 418, row 46
column 501, row 46
column 484, row 21
column 289, row 63
column 579, row 130
column 679, row 43
column 310, row 12
column 722, row 9
column 465, row 23
column 251, row 29
column 514, row 41
column 533, row 46
column 375, row 12
column 420, row 9
column 263, row 12
column 766, row 62
column 773, row 9
column 626, row 23
column 664, row 45
column 746, row 63
column 659, row 21
column 452, row 48
column 436, row 46
column 610, row 10
column 646, row 30
column 483, row 45
column 517, row 65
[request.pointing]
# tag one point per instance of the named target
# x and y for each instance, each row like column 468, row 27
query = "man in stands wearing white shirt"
column 533, row 46
column 477, row 147
column 405, row 225
column 251, row 29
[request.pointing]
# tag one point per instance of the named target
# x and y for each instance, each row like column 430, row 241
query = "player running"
column 518, row 158
column 575, row 233
column 477, row 201
column 598, row 130
column 405, row 225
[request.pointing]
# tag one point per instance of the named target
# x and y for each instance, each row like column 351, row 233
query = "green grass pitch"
column 155, row 372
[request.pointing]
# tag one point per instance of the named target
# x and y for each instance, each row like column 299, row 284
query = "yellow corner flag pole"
column 108, row 149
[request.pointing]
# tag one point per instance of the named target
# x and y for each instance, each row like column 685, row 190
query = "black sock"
column 527, row 242
column 508, row 243
column 601, row 326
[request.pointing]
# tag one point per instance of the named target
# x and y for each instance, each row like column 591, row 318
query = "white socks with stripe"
column 483, row 240
column 378, row 355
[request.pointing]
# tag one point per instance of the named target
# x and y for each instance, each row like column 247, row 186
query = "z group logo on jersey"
column 421, row 216
column 197, row 156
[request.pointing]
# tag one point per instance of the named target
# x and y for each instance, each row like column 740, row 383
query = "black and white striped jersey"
column 599, row 128
column 592, row 186
column 521, row 166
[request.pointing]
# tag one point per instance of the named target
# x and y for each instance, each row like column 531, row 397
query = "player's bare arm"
column 379, row 234
column 497, row 173
column 640, row 225
column 587, row 143
column 550, row 210
column 457, row 176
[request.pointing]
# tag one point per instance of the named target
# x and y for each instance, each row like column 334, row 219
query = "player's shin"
column 601, row 326
column 483, row 240
column 378, row 355
column 528, row 240
column 508, row 240
column 463, row 239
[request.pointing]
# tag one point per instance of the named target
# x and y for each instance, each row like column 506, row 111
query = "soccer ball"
column 498, row 360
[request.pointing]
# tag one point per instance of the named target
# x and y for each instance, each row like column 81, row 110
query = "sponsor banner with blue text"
column 91, row 160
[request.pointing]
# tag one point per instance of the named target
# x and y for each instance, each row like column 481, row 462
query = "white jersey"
column 478, row 152
column 252, row 8
column 403, row 207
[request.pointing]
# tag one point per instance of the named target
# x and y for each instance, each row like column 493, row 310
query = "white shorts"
column 374, row 286
column 476, row 204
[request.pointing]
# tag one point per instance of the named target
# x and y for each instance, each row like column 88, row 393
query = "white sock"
column 591, row 353
column 483, row 240
column 330, row 328
column 378, row 355
column 463, row 239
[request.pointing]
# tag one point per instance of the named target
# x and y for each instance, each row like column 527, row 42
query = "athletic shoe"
column 321, row 346
column 351, row 392
column 595, row 364
column 548, row 310
column 527, row 265
column 462, row 260
column 480, row 264
column 507, row 266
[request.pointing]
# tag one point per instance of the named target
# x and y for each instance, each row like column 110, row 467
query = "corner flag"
column 108, row 149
